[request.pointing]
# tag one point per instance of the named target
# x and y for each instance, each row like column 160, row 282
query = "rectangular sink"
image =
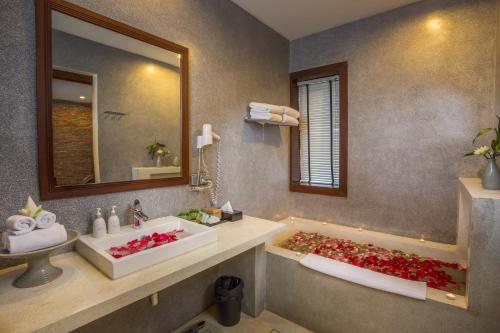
column 95, row 250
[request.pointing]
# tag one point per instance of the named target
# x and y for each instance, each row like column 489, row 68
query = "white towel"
column 266, row 107
column 287, row 120
column 45, row 219
column 263, row 107
column 291, row 112
column 266, row 116
column 366, row 277
column 35, row 240
column 19, row 224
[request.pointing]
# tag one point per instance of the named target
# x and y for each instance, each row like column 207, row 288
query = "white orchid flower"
column 482, row 150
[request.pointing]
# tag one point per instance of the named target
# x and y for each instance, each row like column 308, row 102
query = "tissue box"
column 232, row 217
column 213, row 211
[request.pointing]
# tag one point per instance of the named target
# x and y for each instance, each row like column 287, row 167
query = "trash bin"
column 228, row 296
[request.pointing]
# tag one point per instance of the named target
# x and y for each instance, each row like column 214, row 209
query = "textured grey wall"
column 150, row 100
column 228, row 69
column 417, row 96
column 497, row 81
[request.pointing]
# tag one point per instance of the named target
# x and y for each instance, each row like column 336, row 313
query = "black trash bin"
column 228, row 296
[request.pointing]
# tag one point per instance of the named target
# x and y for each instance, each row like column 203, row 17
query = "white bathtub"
column 441, row 251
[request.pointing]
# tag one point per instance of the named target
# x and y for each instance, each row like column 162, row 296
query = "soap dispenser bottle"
column 99, row 227
column 113, row 222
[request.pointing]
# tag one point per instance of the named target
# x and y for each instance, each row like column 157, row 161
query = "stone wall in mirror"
column 116, row 106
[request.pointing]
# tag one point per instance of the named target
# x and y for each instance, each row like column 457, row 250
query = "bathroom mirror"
column 113, row 105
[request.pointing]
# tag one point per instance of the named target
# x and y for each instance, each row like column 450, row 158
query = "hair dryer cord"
column 214, row 186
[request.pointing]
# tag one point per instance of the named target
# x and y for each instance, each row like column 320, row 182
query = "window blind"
column 319, row 128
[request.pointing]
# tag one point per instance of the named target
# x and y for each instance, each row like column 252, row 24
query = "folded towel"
column 366, row 277
column 266, row 116
column 291, row 112
column 19, row 224
column 263, row 107
column 287, row 120
column 35, row 240
column 266, row 107
column 45, row 219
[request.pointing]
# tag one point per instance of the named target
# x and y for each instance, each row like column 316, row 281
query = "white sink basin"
column 95, row 249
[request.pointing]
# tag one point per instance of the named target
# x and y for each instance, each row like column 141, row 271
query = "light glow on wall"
column 434, row 24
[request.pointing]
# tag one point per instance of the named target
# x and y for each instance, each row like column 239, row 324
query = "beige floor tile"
column 267, row 322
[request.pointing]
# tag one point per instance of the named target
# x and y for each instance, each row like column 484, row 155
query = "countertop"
column 476, row 190
column 83, row 294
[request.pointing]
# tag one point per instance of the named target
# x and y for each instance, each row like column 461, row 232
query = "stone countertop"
column 476, row 190
column 83, row 294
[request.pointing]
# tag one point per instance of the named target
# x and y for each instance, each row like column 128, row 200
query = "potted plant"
column 491, row 175
column 157, row 150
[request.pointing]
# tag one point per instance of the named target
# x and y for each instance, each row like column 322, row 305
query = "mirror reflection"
column 116, row 106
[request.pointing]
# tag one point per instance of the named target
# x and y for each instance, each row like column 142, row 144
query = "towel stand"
column 264, row 122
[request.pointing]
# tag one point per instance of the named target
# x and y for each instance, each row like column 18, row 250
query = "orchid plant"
column 488, row 152
column 156, row 149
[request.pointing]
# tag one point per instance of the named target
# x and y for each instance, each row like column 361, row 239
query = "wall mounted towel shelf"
column 265, row 122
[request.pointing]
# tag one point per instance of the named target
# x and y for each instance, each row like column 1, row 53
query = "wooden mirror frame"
column 48, row 188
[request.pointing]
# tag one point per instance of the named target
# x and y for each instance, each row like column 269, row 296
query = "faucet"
column 138, row 215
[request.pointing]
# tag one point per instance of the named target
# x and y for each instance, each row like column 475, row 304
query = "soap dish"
column 40, row 271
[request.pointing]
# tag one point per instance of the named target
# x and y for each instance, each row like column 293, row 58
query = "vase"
column 491, row 176
column 159, row 161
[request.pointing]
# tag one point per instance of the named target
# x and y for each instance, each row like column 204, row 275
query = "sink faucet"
column 138, row 215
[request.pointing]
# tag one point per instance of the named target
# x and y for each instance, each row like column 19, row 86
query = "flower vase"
column 159, row 161
column 491, row 176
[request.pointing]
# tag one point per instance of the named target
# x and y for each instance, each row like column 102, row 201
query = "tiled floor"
column 267, row 322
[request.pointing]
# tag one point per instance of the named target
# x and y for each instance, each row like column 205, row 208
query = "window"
column 319, row 145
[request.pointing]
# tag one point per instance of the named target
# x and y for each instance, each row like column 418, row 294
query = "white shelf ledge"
column 476, row 190
column 266, row 122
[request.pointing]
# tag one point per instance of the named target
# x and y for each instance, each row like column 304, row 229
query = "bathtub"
column 441, row 251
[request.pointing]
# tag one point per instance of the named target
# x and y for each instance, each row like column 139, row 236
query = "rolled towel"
column 36, row 240
column 45, row 219
column 291, row 112
column 19, row 224
column 266, row 116
column 266, row 107
column 263, row 107
column 287, row 120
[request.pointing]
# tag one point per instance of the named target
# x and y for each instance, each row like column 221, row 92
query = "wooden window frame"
column 339, row 69
column 72, row 76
